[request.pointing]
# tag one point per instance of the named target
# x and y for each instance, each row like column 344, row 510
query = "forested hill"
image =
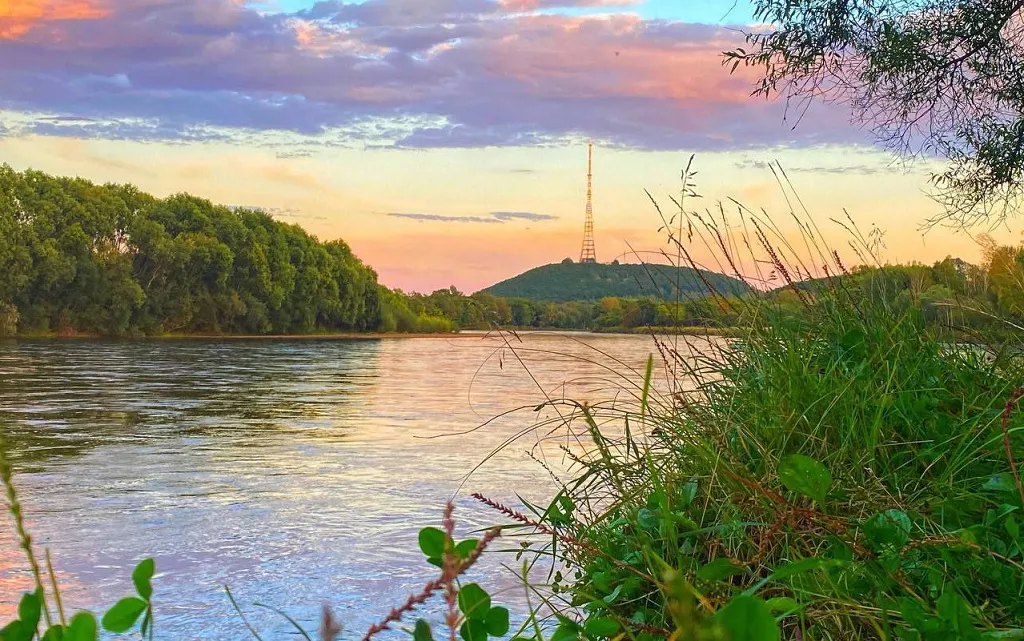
column 569, row 281
column 112, row 260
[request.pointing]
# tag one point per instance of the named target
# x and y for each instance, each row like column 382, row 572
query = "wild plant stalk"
column 1005, row 421
column 24, row 538
column 453, row 568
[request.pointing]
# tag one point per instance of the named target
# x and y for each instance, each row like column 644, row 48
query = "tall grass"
column 844, row 472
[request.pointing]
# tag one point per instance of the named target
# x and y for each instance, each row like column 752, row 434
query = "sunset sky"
column 445, row 140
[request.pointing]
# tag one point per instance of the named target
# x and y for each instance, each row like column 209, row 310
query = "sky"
column 444, row 140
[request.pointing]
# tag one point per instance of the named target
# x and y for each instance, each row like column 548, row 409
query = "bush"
column 842, row 472
column 8, row 320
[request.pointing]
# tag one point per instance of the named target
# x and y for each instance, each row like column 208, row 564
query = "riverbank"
column 468, row 333
column 674, row 331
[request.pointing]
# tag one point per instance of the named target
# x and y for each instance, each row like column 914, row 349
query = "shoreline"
column 463, row 334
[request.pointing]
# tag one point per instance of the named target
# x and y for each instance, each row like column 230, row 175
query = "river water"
column 297, row 472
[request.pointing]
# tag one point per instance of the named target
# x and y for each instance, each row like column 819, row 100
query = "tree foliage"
column 934, row 76
column 111, row 260
column 568, row 281
column 486, row 311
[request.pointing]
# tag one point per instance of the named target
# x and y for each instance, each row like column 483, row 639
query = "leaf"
column 432, row 542
column 852, row 344
column 609, row 598
column 55, row 633
column 16, row 631
column 783, row 604
column 474, row 602
column 30, row 609
column 888, row 528
column 601, row 627
column 1012, row 528
column 567, row 504
column 123, row 615
column 747, row 618
column 566, row 633
column 802, row 565
column 720, row 568
column 497, row 621
column 806, row 476
column 465, row 548
column 422, row 632
column 82, row 627
column 473, row 630
column 647, row 518
column 1000, row 483
column 141, row 577
column 689, row 492
column 954, row 611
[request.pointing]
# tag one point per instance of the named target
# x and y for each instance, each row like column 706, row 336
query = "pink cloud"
column 442, row 72
column 616, row 57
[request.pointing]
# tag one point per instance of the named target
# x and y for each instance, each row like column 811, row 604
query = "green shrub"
column 841, row 470
column 8, row 320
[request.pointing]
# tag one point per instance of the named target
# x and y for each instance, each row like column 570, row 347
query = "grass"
column 848, row 470
column 840, row 473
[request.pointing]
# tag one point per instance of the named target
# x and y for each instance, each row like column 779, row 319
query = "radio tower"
column 587, row 254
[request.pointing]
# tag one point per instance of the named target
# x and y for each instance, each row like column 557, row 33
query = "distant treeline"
column 76, row 257
column 485, row 311
column 951, row 294
column 569, row 281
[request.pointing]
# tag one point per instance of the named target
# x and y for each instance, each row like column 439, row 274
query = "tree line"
column 76, row 257
column 950, row 293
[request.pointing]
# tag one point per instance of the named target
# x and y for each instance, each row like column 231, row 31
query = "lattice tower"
column 587, row 254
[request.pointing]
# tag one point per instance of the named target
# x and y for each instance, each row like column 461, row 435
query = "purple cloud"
column 493, row 217
column 521, row 215
column 405, row 73
column 446, row 219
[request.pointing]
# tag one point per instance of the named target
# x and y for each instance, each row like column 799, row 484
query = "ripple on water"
column 297, row 472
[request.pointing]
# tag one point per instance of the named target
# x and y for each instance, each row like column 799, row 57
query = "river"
column 298, row 472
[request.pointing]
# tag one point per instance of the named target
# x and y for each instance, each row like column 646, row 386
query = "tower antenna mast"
column 587, row 254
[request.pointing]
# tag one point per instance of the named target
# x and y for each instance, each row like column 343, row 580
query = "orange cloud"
column 18, row 17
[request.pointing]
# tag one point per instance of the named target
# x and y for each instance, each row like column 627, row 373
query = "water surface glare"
column 298, row 472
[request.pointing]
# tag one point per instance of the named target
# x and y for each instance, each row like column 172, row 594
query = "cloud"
column 521, row 215
column 18, row 17
column 492, row 218
column 874, row 163
column 446, row 219
column 294, row 153
column 401, row 73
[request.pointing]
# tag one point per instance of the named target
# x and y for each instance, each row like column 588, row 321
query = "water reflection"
column 298, row 472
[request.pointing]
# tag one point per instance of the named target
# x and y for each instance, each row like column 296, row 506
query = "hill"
column 569, row 281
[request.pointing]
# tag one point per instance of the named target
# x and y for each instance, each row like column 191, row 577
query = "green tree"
column 112, row 260
column 938, row 76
